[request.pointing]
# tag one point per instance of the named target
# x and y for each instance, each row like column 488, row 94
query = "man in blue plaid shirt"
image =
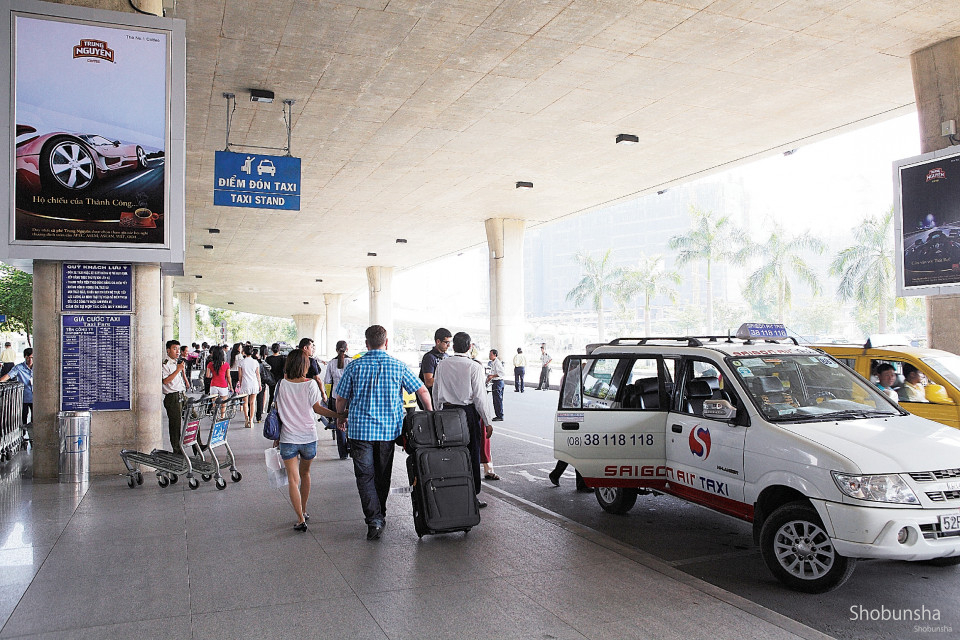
column 371, row 389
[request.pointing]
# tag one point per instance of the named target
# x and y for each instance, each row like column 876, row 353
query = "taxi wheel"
column 799, row 553
column 616, row 500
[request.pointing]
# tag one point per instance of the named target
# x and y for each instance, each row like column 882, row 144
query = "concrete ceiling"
column 415, row 118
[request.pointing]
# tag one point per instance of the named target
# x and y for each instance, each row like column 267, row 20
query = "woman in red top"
column 219, row 373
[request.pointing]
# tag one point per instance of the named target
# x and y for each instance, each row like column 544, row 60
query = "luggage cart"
column 169, row 465
column 12, row 429
column 220, row 414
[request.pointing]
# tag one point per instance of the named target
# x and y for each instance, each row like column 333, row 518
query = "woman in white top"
column 297, row 400
column 332, row 376
column 249, row 384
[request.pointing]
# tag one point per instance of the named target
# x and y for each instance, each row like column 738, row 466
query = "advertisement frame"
column 947, row 288
column 171, row 251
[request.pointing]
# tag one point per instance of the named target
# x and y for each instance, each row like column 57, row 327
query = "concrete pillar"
column 110, row 431
column 167, row 308
column 936, row 84
column 332, row 303
column 308, row 326
column 505, row 241
column 188, row 315
column 380, row 284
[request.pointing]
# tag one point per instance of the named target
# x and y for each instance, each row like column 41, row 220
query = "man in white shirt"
column 174, row 391
column 460, row 383
column 495, row 378
column 545, row 360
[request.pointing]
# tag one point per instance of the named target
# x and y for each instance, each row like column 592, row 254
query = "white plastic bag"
column 276, row 472
column 273, row 459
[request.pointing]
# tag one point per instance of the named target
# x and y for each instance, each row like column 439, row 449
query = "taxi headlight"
column 883, row 488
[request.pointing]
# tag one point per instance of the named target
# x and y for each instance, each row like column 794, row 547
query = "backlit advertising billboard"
column 95, row 139
column 927, row 223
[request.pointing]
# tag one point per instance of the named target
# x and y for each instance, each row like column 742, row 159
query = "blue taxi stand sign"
column 256, row 181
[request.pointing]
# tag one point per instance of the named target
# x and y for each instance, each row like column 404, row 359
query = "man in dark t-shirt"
column 428, row 365
column 313, row 372
column 276, row 363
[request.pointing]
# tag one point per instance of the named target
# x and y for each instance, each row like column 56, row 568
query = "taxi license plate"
column 949, row 524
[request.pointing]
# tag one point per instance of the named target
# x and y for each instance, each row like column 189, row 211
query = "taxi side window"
column 642, row 387
column 701, row 381
column 589, row 383
column 910, row 382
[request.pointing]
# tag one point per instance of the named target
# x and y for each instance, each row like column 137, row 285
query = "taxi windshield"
column 948, row 366
column 807, row 388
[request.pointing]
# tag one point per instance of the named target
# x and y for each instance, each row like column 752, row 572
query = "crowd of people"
column 359, row 398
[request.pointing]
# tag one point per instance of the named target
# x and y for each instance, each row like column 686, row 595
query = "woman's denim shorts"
column 305, row 451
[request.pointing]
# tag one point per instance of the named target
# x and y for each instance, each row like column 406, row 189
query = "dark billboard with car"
column 91, row 130
column 929, row 234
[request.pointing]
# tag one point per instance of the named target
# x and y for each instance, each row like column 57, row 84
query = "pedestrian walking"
column 519, row 370
column 545, row 360
column 249, row 384
column 236, row 355
column 259, row 354
column 370, row 390
column 332, row 376
column 297, row 400
column 428, row 364
column 459, row 383
column 276, row 363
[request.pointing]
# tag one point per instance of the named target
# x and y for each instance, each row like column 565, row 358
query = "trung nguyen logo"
column 95, row 50
column 700, row 442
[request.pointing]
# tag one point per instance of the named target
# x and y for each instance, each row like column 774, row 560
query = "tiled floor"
column 105, row 561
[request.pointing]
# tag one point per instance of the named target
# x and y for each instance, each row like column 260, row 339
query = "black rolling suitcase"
column 440, row 472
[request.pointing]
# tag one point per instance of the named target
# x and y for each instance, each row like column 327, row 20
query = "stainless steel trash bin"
column 74, row 446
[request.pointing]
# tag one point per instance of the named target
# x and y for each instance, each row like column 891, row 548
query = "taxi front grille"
column 932, row 532
column 943, row 496
column 933, row 476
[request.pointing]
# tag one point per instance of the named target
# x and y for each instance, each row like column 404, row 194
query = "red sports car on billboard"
column 71, row 162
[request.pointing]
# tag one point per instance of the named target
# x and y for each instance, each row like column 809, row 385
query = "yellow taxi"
column 934, row 394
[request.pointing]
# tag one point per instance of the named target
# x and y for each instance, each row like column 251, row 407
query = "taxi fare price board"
column 95, row 365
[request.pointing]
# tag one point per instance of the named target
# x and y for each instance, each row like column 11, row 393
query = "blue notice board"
column 97, row 287
column 257, row 181
column 95, row 363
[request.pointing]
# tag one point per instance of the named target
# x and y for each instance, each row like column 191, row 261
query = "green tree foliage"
column 243, row 326
column 782, row 261
column 712, row 239
column 599, row 279
column 16, row 300
column 866, row 268
column 649, row 279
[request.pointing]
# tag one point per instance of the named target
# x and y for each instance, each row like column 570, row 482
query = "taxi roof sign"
column 759, row 331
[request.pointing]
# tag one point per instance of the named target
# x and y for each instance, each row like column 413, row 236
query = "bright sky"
column 826, row 188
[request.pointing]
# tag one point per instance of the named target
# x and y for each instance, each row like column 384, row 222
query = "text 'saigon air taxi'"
column 827, row 467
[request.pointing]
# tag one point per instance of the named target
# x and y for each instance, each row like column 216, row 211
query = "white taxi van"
column 825, row 466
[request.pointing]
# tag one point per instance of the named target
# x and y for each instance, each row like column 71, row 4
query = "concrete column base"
column 110, row 431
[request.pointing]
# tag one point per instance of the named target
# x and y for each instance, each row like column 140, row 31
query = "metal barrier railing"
column 11, row 419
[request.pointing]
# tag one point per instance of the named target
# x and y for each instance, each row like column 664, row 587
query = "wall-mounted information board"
column 95, row 363
column 97, row 287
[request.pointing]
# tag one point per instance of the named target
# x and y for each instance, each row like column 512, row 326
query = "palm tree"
column 650, row 279
column 866, row 269
column 781, row 260
column 711, row 239
column 599, row 279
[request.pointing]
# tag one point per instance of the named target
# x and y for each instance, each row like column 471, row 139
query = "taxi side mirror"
column 937, row 394
column 718, row 409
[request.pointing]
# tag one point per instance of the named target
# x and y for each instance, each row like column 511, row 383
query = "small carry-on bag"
column 440, row 471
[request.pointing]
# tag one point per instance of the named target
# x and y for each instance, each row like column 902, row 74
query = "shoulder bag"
column 272, row 424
